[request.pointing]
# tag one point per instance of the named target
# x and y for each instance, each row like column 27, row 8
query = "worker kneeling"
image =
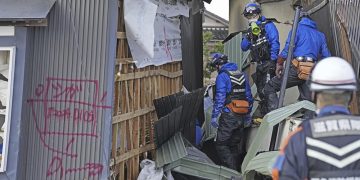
column 328, row 146
column 233, row 100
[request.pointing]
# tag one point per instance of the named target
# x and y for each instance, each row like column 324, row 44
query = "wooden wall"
column 134, row 112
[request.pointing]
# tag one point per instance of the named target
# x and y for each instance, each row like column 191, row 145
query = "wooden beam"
column 130, row 115
column 138, row 75
column 124, row 61
column 121, row 35
column 134, row 152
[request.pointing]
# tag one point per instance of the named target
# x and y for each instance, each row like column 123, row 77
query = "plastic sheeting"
column 153, row 31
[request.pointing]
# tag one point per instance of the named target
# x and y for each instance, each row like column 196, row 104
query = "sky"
column 219, row 7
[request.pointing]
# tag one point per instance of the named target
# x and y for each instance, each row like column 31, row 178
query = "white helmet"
column 333, row 73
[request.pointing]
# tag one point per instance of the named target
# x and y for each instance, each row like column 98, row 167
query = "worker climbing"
column 262, row 38
column 233, row 100
column 309, row 47
column 326, row 147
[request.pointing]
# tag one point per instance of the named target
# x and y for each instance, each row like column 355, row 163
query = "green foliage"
column 209, row 48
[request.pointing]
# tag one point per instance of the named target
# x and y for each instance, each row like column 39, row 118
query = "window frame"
column 7, row 123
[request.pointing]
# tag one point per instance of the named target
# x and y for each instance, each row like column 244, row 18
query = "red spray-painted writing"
column 67, row 110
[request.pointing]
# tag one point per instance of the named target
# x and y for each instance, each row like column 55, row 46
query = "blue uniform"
column 272, row 35
column 321, row 148
column 309, row 42
column 231, row 84
column 223, row 88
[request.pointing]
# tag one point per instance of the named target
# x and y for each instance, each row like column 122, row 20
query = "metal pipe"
column 286, row 73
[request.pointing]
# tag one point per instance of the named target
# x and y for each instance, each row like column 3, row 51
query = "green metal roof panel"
column 209, row 132
column 271, row 119
column 174, row 149
column 233, row 50
column 262, row 163
column 202, row 170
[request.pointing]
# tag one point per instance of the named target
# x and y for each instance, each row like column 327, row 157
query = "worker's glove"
column 214, row 122
column 248, row 120
column 248, row 36
column 279, row 70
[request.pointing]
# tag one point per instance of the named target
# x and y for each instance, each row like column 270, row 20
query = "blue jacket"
column 292, row 162
column 272, row 35
column 309, row 42
column 223, row 87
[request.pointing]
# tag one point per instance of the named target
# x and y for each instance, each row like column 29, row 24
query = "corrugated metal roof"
column 167, row 126
column 269, row 120
column 262, row 163
column 202, row 169
column 190, row 102
column 19, row 10
column 233, row 50
column 174, row 149
column 177, row 154
column 165, row 105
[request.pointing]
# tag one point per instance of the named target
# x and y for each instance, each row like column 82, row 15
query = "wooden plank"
column 136, row 145
column 122, row 137
column 122, row 171
column 127, row 95
column 139, row 75
column 119, row 61
column 143, row 130
column 130, row 115
column 114, row 140
column 129, row 146
column 134, row 152
column 121, row 35
column 136, row 133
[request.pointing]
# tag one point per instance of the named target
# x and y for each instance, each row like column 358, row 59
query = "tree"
column 208, row 48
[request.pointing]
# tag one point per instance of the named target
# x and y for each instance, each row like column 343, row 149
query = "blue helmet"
column 252, row 8
column 218, row 59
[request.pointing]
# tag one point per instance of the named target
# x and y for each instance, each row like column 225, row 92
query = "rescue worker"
column 310, row 46
column 233, row 100
column 262, row 39
column 328, row 146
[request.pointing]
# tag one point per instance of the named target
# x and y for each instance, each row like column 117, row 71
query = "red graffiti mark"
column 102, row 100
column 65, row 104
column 69, row 144
column 94, row 169
column 42, row 137
column 167, row 48
column 39, row 90
column 69, row 91
column 56, row 166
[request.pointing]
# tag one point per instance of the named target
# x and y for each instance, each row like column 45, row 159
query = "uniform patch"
column 337, row 178
column 335, row 126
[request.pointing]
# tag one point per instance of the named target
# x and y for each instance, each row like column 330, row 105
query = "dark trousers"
column 264, row 72
column 274, row 86
column 230, row 141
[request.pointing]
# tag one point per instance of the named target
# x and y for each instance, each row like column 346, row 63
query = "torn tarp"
column 153, row 30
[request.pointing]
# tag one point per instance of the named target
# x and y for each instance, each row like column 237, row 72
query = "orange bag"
column 304, row 69
column 239, row 106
